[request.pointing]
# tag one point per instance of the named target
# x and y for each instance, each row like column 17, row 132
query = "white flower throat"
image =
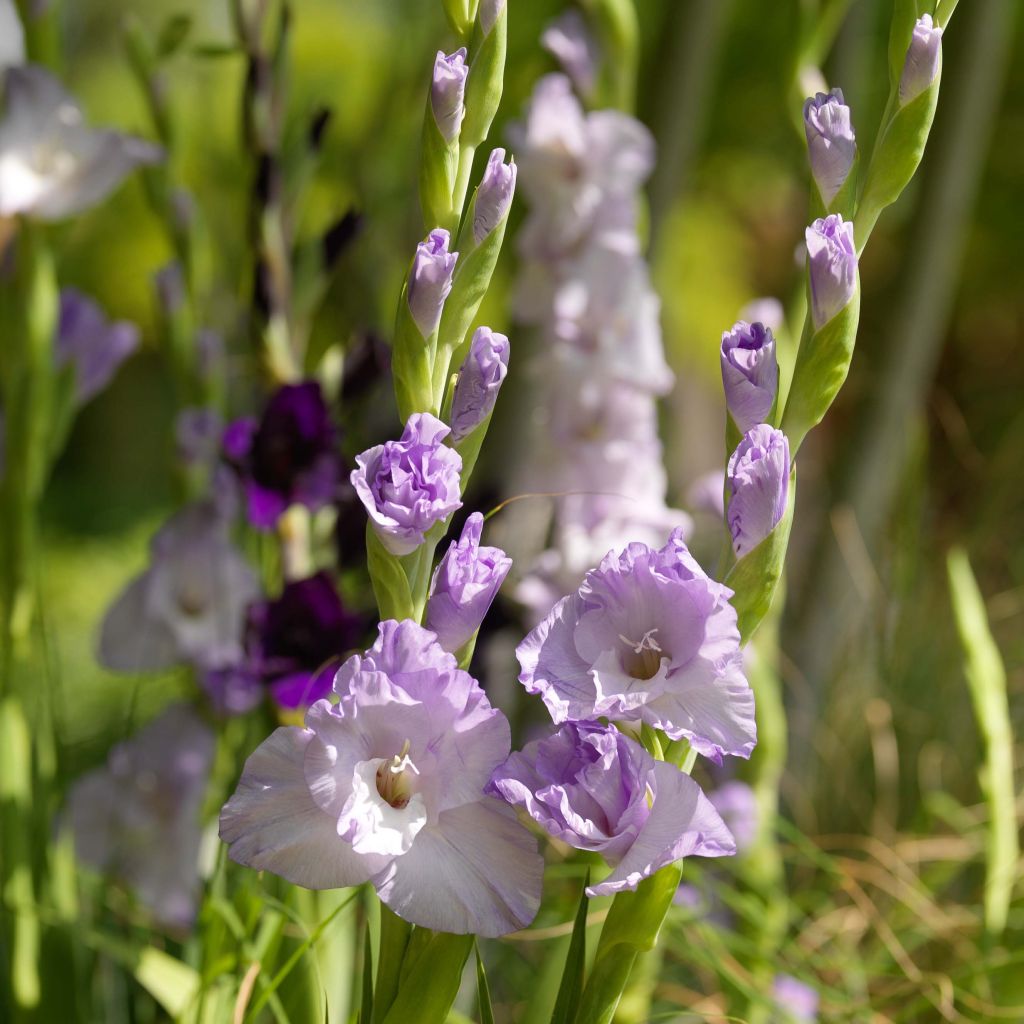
column 642, row 658
column 394, row 778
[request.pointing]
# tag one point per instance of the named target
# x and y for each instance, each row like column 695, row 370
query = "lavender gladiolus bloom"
column 832, row 258
column 188, row 606
column 51, row 164
column 766, row 310
column 138, row 817
column 430, row 280
column 465, row 583
column 647, row 637
column 90, row 343
column 289, row 456
column 479, row 382
column 598, row 790
column 797, row 1000
column 409, row 485
column 736, row 803
column 387, row 786
column 831, row 143
column 569, row 40
column 494, row 195
column 923, row 57
column 447, row 92
column 750, row 373
column 758, row 481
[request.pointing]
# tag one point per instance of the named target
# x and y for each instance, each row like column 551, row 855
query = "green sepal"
column 571, row 989
column 387, row 575
column 393, row 948
column 896, row 158
column 439, row 167
column 366, row 996
column 632, row 927
column 411, row 364
column 486, row 79
column 844, row 202
column 460, row 17
column 755, row 578
column 483, row 991
column 431, row 976
column 469, row 448
column 822, row 364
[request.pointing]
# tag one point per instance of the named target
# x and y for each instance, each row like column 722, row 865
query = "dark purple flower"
column 430, row 280
column 750, row 373
column 479, row 382
column 410, row 484
column 832, row 258
column 923, row 57
column 295, row 643
column 596, row 789
column 465, row 583
column 90, row 343
column 289, row 456
column 831, row 143
column 758, row 481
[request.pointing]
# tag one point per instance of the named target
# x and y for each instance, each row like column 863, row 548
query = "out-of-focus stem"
column 829, row 609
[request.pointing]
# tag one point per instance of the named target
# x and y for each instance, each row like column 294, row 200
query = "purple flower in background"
column 598, row 790
column 447, row 92
column 138, row 817
column 758, row 481
column 831, row 143
column 736, row 803
column 430, row 280
column 766, row 310
column 494, row 195
column 188, row 606
column 51, row 164
column 387, row 786
column 90, row 343
column 923, row 58
column 569, row 40
column 465, row 583
column 707, row 493
column 647, row 637
column 750, row 373
column 409, row 485
column 289, row 456
column 295, row 642
column 799, row 1002
column 479, row 382
column 832, row 259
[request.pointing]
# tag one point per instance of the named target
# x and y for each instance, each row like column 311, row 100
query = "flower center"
column 394, row 781
column 642, row 658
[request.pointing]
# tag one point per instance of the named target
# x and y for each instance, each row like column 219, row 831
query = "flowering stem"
column 466, row 154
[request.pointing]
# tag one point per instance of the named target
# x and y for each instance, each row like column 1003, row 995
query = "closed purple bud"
column 490, row 11
column 409, row 485
column 447, row 92
column 494, row 196
column 465, row 583
column 758, row 481
column 596, row 789
column 831, row 143
column 832, row 258
column 479, row 382
column 750, row 373
column 430, row 280
column 922, row 63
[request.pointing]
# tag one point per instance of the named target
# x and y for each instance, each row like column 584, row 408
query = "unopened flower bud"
column 430, row 280
column 465, row 583
column 479, row 382
column 489, row 12
column 832, row 259
column 758, row 482
column 750, row 373
column 922, row 64
column 447, row 92
column 494, row 196
column 831, row 143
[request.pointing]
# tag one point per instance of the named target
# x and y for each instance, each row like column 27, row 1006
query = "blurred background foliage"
column 885, row 747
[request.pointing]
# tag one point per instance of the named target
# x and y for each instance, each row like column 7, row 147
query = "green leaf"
column 366, row 1001
column 390, row 583
column 174, row 32
column 394, row 943
column 483, row 992
column 986, row 678
column 756, row 576
column 431, row 982
column 173, row 984
column 571, row 989
column 822, row 363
